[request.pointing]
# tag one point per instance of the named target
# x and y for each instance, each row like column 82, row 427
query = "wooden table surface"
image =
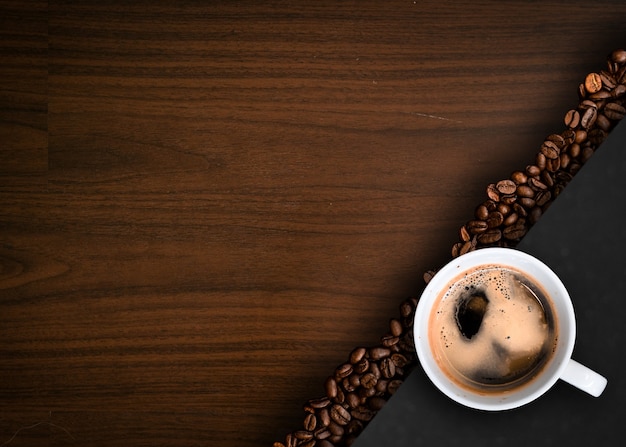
column 204, row 206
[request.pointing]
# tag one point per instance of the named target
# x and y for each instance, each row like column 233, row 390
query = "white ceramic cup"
column 560, row 366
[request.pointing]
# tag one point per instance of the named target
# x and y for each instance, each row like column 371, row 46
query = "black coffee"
column 492, row 330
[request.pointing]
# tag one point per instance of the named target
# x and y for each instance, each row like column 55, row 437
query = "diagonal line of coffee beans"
column 362, row 385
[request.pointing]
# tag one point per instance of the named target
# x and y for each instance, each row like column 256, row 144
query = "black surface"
column 582, row 237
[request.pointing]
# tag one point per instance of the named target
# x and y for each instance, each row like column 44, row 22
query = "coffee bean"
column 519, row 177
column 324, row 417
column 543, row 197
column 331, row 387
column 477, row 226
column 362, row 366
column 603, row 122
column 495, row 219
column 339, row 414
column 490, row 236
column 510, row 219
column 536, row 184
column 589, row 117
column 492, row 192
column 357, row 354
column 315, row 404
column 324, row 443
column 550, row 150
column 366, row 393
column 506, row 186
column 608, row 81
column 572, row 118
column 310, row 422
column 593, row 82
column 393, row 386
column 362, row 413
column 353, row 400
column 368, row 380
column 376, row 403
column 322, row 433
column 568, row 136
column 309, row 443
column 618, row 56
column 533, row 170
column 395, row 327
column 291, row 440
column 343, row 371
column 354, row 427
column 516, row 231
column 303, row 435
column 540, row 161
column 525, row 191
column 481, row 212
column 378, row 353
column 335, row 429
column 387, row 368
column 614, row 111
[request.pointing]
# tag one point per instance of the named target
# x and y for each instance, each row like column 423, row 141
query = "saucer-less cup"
column 559, row 365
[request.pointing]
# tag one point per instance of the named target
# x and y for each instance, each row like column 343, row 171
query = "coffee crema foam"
column 492, row 329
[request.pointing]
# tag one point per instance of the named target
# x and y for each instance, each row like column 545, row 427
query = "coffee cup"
column 495, row 329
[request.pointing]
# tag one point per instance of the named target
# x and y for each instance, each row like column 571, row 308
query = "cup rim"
column 564, row 313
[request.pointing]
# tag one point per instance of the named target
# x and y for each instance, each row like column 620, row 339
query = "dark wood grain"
column 204, row 206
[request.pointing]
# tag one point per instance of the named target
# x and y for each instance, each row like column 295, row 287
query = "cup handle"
column 583, row 378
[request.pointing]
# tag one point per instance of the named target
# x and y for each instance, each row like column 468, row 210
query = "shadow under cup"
column 502, row 395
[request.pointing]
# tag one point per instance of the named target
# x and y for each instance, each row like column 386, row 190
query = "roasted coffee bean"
column 508, row 199
column 324, row 443
column 362, row 366
column 510, row 219
column 603, row 122
column 379, row 352
column 315, row 404
column 519, row 177
column 347, row 385
column 543, row 197
column 340, row 415
column 537, row 184
column 374, row 369
column 310, row 422
column 464, row 235
column 395, row 327
column 303, row 435
column 597, row 136
column 353, row 400
column 393, row 386
column 335, row 429
column 614, row 111
column 477, row 226
column 534, row 215
column 516, row 231
column 399, row 360
column 357, row 354
column 387, row 368
column 309, row 443
column 593, row 83
column 291, row 440
column 354, row 427
column 492, row 192
column 343, row 371
column 550, row 150
column 368, row 380
column 506, row 186
column 495, row 219
column 366, row 393
column 481, row 212
column 568, row 136
column 355, row 380
column 490, row 236
column 362, row 413
column 324, row 417
column 388, row 341
column 534, row 170
column 331, row 387
column 572, row 118
column 376, row 403
column 618, row 56
column 608, row 81
column 589, row 117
